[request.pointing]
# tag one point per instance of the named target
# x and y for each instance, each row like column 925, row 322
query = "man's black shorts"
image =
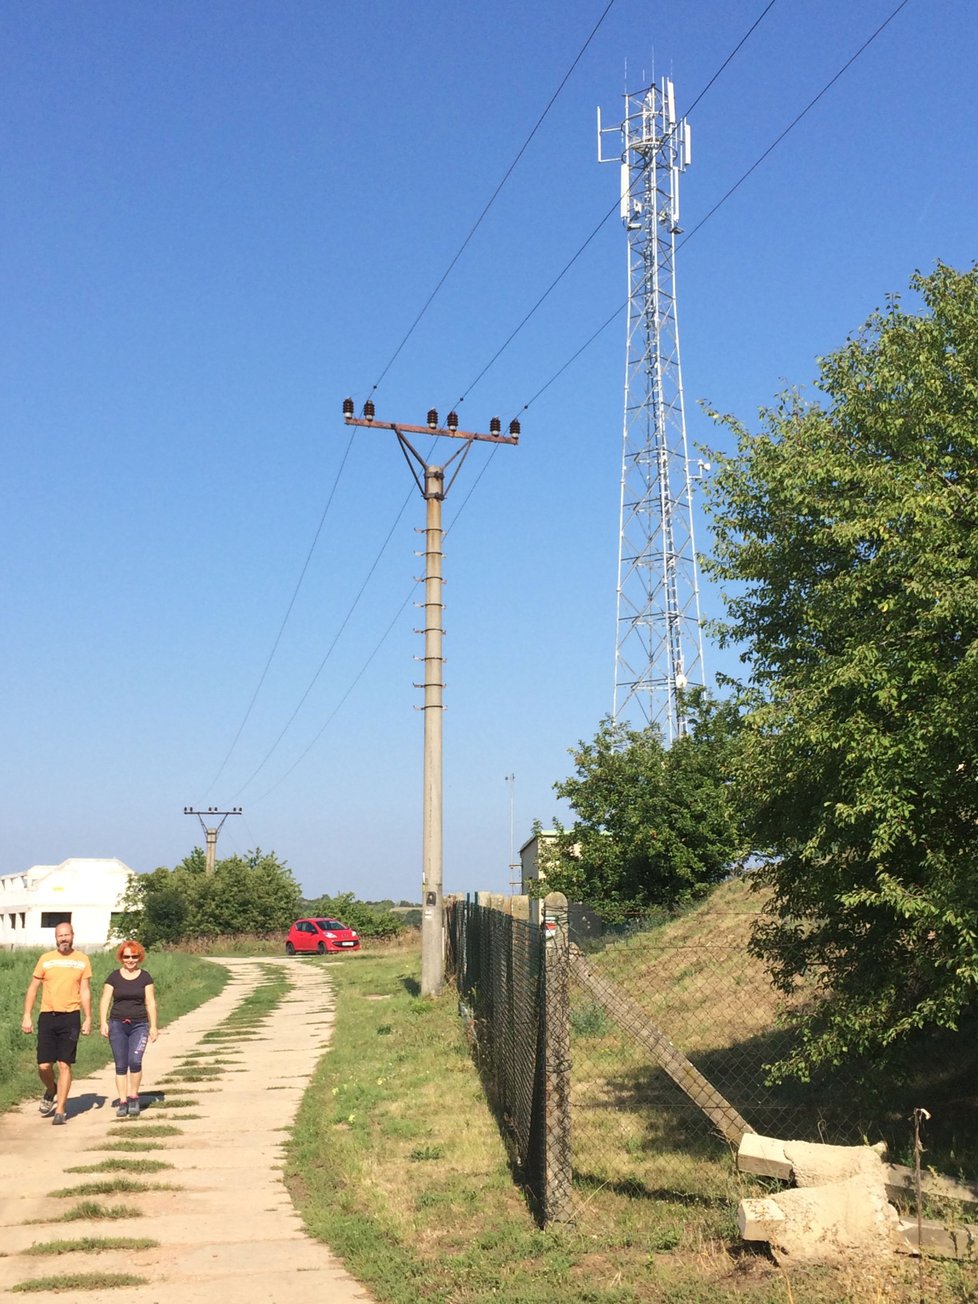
column 57, row 1037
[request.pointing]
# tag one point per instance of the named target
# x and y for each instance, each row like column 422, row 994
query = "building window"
column 52, row 918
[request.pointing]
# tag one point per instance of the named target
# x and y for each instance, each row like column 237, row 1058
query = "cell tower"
column 659, row 648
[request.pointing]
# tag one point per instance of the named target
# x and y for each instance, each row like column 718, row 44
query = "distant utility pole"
column 211, row 830
column 433, row 490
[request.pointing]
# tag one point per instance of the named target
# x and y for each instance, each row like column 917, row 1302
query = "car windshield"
column 331, row 924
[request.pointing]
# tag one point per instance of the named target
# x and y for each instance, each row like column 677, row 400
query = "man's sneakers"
column 59, row 1120
column 123, row 1109
column 47, row 1105
column 133, row 1109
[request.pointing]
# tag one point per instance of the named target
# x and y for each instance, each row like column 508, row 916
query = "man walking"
column 64, row 978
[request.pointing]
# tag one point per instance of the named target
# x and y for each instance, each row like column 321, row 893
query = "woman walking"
column 130, row 994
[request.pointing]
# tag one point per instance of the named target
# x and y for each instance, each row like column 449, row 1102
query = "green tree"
column 847, row 530
column 255, row 893
column 654, row 826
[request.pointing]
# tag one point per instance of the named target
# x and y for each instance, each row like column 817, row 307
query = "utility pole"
column 211, row 830
column 431, row 482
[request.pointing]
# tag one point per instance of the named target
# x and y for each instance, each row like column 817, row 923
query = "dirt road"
column 226, row 1229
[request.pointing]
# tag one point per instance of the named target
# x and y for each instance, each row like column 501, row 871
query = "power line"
column 288, row 612
column 794, row 123
column 613, row 209
column 492, row 199
column 720, row 202
column 736, row 50
column 353, row 683
column 546, row 294
column 569, row 362
column 329, row 651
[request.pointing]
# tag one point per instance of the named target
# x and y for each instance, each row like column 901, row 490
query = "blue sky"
column 219, row 220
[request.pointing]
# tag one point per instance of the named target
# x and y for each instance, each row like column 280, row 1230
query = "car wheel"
column 321, row 948
column 289, row 949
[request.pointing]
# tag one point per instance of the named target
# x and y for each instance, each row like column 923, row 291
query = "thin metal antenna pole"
column 515, row 880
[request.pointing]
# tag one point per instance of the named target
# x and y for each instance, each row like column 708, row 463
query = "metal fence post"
column 557, row 1203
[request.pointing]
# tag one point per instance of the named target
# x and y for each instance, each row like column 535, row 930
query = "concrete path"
column 229, row 1231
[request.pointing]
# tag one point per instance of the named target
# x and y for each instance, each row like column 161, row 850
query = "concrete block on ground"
column 763, row 1155
column 825, row 1224
column 945, row 1242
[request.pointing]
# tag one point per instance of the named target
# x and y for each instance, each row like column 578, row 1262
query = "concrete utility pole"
column 210, row 829
column 433, row 490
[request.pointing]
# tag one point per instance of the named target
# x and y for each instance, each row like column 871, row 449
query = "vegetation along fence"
column 633, row 1061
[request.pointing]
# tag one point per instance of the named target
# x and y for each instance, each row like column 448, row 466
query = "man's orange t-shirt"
column 61, row 978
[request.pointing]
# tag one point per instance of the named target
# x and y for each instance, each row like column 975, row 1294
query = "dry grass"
column 397, row 1163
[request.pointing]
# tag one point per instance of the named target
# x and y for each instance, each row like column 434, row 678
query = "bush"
column 252, row 894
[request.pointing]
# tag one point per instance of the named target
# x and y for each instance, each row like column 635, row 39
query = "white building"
column 82, row 892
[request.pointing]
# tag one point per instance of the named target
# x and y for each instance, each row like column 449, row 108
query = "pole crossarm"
column 494, row 435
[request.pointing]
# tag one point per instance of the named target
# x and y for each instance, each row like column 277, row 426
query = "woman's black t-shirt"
column 129, row 996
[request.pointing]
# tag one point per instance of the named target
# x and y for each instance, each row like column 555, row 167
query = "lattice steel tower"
column 659, row 647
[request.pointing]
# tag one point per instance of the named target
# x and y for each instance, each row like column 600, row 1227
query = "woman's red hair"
column 138, row 950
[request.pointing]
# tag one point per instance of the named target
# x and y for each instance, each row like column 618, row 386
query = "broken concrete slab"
column 824, row 1224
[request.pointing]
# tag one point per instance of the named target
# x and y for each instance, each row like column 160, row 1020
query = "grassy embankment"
column 182, row 983
column 398, row 1165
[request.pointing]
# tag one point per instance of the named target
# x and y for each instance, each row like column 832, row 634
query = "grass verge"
column 396, row 1163
column 95, row 1210
column 72, row 1281
column 111, row 1186
column 92, row 1245
column 121, row 1166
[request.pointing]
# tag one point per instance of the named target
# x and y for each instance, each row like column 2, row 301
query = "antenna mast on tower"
column 659, row 646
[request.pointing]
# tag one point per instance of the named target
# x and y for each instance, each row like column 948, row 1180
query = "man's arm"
column 85, row 996
column 27, row 1023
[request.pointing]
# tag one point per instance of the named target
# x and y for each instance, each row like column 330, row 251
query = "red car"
column 320, row 936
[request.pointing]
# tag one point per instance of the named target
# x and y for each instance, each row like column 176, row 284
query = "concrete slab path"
column 227, row 1229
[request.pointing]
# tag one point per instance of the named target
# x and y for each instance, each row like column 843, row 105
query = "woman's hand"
column 104, row 1028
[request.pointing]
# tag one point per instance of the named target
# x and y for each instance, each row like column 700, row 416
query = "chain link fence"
column 514, row 1000
column 624, row 1064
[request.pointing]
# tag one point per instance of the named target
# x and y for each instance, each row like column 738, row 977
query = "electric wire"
column 614, row 207
column 288, row 612
column 492, row 199
column 479, row 220
column 720, row 202
column 735, row 51
column 716, row 207
column 353, row 683
column 329, row 651
column 556, row 281
column 794, row 123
